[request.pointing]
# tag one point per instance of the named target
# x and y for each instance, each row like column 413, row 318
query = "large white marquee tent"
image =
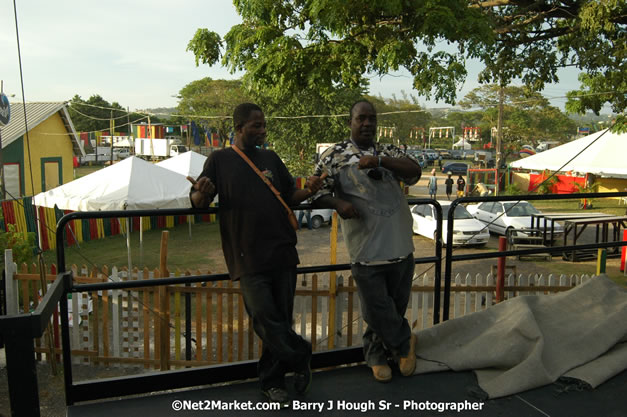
column 132, row 184
column 603, row 154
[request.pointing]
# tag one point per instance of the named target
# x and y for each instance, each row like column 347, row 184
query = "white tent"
column 189, row 164
column 603, row 154
column 132, row 184
column 462, row 144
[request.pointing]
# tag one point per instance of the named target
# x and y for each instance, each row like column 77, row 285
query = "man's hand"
column 368, row 161
column 204, row 185
column 314, row 183
column 203, row 188
column 346, row 210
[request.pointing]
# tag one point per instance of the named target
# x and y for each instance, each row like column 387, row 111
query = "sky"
column 134, row 52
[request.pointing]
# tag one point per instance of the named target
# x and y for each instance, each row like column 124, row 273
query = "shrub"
column 21, row 244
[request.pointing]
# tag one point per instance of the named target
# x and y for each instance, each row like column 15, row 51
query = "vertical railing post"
column 21, row 369
column 500, row 270
column 11, row 288
column 332, row 283
column 164, row 306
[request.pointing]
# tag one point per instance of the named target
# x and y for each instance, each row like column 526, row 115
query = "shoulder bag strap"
column 290, row 213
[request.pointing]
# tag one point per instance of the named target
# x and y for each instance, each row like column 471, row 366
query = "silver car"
column 318, row 217
column 504, row 218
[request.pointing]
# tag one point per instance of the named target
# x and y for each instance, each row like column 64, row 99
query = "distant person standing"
column 461, row 186
column 449, row 185
column 307, row 214
column 433, row 185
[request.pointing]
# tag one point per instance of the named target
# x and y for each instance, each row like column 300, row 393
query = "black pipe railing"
column 20, row 330
column 153, row 382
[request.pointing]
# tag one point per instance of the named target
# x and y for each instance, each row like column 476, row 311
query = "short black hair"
column 242, row 112
column 362, row 100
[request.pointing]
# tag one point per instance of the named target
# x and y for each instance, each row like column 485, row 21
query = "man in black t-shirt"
column 259, row 245
column 449, row 185
column 461, row 186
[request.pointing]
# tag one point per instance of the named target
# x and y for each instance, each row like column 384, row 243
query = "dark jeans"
column 269, row 300
column 300, row 218
column 384, row 292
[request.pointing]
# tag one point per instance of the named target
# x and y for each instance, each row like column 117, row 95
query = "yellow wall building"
column 47, row 151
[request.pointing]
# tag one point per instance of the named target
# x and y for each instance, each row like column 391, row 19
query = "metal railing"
column 20, row 330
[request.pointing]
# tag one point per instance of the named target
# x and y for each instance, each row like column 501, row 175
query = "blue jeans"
column 384, row 292
column 300, row 218
column 269, row 301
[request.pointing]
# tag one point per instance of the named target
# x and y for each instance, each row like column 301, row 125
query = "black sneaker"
column 277, row 395
column 302, row 380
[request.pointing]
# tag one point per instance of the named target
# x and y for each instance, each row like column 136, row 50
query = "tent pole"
column 189, row 225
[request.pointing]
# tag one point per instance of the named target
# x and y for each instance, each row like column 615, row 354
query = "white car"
column 318, row 217
column 466, row 229
column 504, row 217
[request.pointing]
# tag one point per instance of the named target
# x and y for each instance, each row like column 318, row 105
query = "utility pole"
column 4, row 120
column 499, row 137
column 131, row 142
column 112, row 128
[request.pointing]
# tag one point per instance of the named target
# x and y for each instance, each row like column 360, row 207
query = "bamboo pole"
column 332, row 283
column 164, row 316
column 198, row 298
column 229, row 315
column 219, row 323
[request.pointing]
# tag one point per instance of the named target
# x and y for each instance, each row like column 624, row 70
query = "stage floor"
column 353, row 391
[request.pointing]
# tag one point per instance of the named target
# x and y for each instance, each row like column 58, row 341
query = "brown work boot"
column 407, row 364
column 382, row 373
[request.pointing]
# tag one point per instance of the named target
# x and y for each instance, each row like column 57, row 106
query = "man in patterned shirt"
column 363, row 187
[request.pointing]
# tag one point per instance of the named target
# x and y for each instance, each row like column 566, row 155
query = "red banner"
column 565, row 183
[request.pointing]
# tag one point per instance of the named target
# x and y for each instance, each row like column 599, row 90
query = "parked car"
column 466, row 229
column 122, row 152
column 504, row 218
column 445, row 154
column 456, row 153
column 419, row 156
column 318, row 217
column 456, row 168
column 431, row 154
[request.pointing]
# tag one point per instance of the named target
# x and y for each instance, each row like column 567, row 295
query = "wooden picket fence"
column 145, row 327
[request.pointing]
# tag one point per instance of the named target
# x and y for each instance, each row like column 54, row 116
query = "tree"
column 403, row 114
column 528, row 117
column 289, row 46
column 298, row 123
column 95, row 114
column 295, row 123
column 211, row 102
column 461, row 119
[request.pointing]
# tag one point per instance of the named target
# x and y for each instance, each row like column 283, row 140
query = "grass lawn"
column 86, row 170
column 602, row 205
column 199, row 251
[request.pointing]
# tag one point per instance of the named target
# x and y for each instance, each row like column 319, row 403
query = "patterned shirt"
column 383, row 230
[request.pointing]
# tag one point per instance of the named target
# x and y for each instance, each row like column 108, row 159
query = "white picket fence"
column 468, row 295
column 126, row 327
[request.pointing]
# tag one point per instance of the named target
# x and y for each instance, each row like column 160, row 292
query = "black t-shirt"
column 461, row 183
column 449, row 184
column 254, row 227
